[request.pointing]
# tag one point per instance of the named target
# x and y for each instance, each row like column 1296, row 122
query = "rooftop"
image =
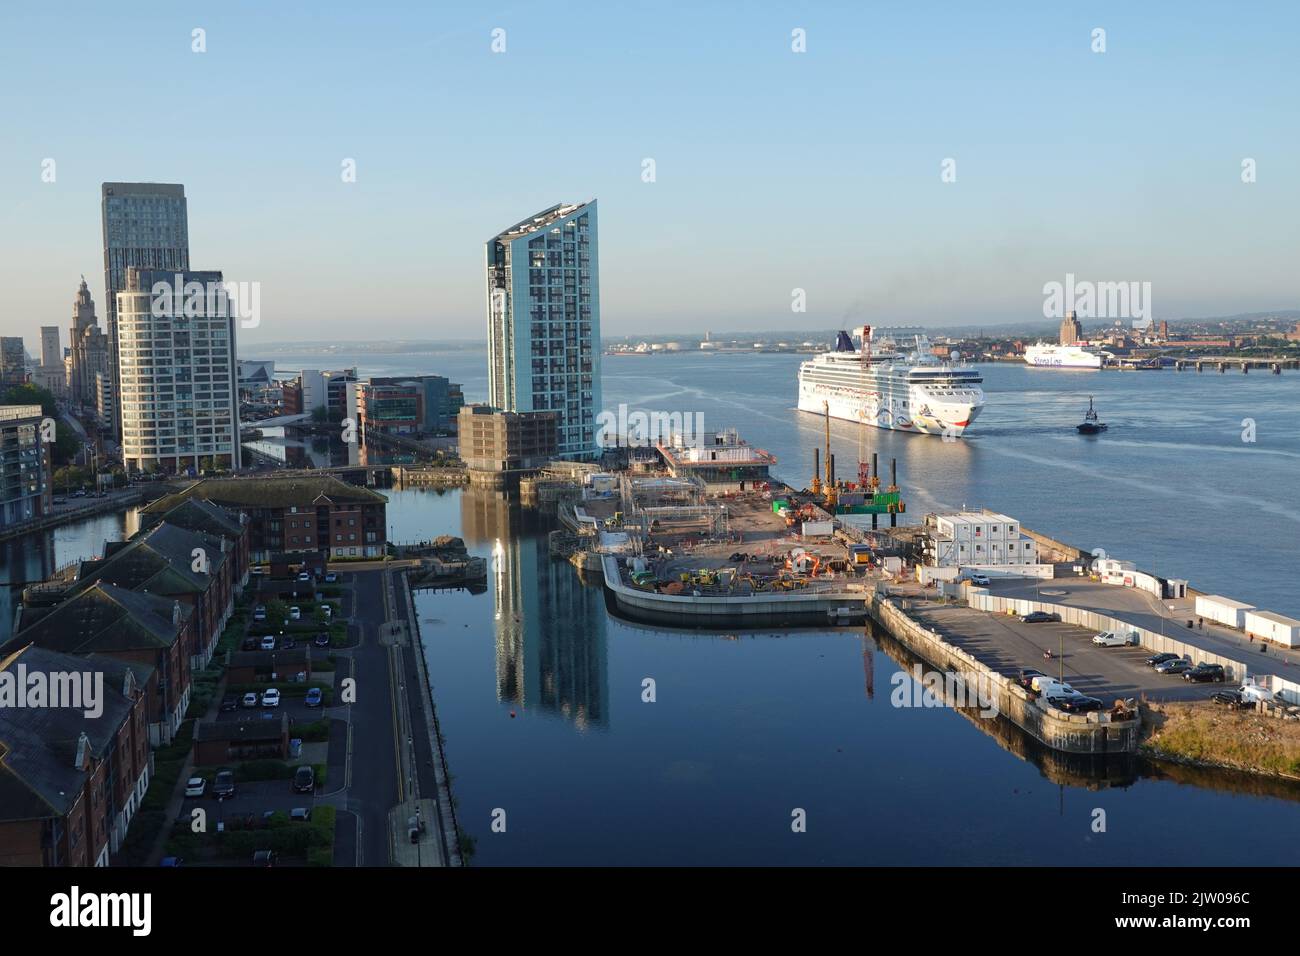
column 541, row 221
column 265, row 492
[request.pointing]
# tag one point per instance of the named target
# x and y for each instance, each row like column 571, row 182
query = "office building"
column 178, row 399
column 316, row 390
column 438, row 400
column 88, row 350
column 13, row 361
column 145, row 226
column 25, row 478
column 543, row 305
column 51, row 352
column 492, row 440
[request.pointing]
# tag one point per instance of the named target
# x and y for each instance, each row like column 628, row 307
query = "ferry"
column 1065, row 356
column 890, row 388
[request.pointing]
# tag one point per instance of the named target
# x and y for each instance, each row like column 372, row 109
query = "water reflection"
column 549, row 628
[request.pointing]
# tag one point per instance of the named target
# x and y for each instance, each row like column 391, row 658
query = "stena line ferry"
column 889, row 386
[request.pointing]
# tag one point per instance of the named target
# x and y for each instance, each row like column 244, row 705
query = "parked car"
column 264, row 858
column 1232, row 697
column 270, row 697
column 1175, row 666
column 295, row 613
column 268, row 643
column 295, row 748
column 304, row 780
column 1110, row 639
column 258, row 571
column 331, row 577
column 171, row 861
column 259, row 613
column 249, row 644
column 314, row 697
column 250, row 699
column 979, row 580
column 1041, row 617
column 1025, row 677
column 322, row 640
column 300, row 814
column 195, row 787
column 1156, row 660
column 1075, row 703
column 288, row 644
column 304, row 576
column 1203, row 673
column 1046, row 686
column 223, row 787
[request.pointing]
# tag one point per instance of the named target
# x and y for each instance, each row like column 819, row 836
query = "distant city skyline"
column 772, row 170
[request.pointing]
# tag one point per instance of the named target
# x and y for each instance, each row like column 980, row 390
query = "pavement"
column 1007, row 644
column 1145, row 610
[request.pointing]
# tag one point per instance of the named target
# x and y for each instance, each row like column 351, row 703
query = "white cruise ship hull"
column 898, row 407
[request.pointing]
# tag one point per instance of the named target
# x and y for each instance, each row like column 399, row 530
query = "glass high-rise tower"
column 146, row 225
column 543, row 306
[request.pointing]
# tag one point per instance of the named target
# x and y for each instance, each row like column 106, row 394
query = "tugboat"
column 1090, row 425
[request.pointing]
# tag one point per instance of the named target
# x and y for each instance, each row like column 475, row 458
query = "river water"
column 540, row 691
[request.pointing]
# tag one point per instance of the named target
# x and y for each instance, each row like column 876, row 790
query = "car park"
column 1041, row 617
column 250, row 700
column 1204, row 673
column 313, row 698
column 304, row 780
column 1155, row 660
column 1110, row 639
column 1175, row 666
column 268, row 643
column 223, row 787
column 195, row 787
column 270, row 697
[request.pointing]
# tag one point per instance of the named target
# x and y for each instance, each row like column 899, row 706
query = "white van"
column 1050, row 686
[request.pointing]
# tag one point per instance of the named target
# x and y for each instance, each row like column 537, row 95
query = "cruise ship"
column 1065, row 356
column 888, row 388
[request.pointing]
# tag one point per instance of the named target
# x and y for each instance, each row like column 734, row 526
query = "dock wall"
column 1093, row 733
column 1153, row 641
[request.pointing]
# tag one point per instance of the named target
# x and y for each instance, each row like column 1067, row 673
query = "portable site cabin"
column 1273, row 627
column 1222, row 610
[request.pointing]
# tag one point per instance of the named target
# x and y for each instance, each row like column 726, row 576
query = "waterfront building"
column 71, row 784
column 500, row 442
column 13, row 361
column 25, row 477
column 319, row 390
column 440, row 400
column 178, row 399
column 1071, row 329
column 543, row 307
column 307, row 515
column 145, row 226
column 131, row 627
column 388, row 408
column 88, row 351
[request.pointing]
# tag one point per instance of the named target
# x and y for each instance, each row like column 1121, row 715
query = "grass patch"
column 1243, row 740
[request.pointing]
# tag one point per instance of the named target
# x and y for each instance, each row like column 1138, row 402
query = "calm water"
column 539, row 690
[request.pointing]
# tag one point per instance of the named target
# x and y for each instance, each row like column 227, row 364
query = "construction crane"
column 832, row 496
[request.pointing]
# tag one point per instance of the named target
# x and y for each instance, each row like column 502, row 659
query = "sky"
column 774, row 170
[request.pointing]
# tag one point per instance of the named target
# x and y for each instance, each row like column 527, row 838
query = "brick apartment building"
column 296, row 515
column 70, row 784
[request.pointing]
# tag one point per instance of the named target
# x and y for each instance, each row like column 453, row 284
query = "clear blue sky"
column 775, row 170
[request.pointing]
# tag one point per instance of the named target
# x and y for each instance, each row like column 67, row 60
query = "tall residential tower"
column 543, row 305
column 179, row 398
column 146, row 225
